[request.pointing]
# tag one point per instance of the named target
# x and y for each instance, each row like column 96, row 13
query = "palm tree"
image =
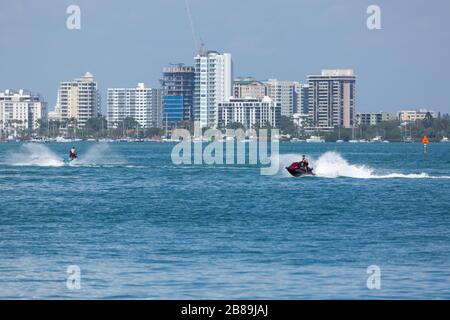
column 72, row 123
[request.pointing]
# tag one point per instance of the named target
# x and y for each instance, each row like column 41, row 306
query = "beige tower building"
column 78, row 99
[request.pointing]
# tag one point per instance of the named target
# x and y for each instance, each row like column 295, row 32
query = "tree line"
column 434, row 128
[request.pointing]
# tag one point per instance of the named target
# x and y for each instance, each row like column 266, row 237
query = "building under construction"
column 177, row 93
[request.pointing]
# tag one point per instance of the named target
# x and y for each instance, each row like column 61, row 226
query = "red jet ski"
column 297, row 171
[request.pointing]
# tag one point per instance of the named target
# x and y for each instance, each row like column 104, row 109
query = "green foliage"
column 188, row 125
column 435, row 129
column 235, row 125
column 95, row 127
column 287, row 126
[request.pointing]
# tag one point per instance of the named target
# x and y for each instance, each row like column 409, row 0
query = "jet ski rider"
column 304, row 163
column 72, row 154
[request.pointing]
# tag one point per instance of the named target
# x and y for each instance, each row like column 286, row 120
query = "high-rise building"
column 283, row 92
column 178, row 87
column 213, row 85
column 302, row 98
column 249, row 87
column 78, row 99
column 158, row 107
column 332, row 98
column 250, row 112
column 21, row 110
column 139, row 103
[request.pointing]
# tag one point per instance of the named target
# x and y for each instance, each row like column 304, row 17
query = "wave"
column 333, row 165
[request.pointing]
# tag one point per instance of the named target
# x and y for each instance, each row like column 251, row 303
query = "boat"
column 196, row 139
column 315, row 139
column 62, row 139
column 445, row 140
column 339, row 141
column 353, row 139
column 295, row 170
column 247, row 140
column 297, row 140
column 408, row 140
column 377, row 139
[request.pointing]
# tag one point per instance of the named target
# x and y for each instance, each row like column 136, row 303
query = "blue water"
column 140, row 227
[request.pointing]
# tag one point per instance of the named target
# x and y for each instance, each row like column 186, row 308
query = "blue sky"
column 403, row 65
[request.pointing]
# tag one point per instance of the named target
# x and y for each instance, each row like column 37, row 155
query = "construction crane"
column 199, row 48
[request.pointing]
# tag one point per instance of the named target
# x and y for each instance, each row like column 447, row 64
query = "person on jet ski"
column 73, row 154
column 304, row 163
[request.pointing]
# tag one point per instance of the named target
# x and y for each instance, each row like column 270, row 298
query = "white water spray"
column 32, row 154
column 333, row 165
column 99, row 154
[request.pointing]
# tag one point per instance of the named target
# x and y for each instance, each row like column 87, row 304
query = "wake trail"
column 32, row 154
column 333, row 165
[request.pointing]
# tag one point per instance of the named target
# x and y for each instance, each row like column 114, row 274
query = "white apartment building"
column 283, row 92
column 213, row 85
column 78, row 99
column 301, row 104
column 411, row 115
column 332, row 98
column 250, row 112
column 21, row 110
column 140, row 103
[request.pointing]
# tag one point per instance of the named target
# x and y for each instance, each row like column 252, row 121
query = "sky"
column 405, row 64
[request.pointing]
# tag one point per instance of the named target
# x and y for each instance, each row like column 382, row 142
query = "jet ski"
column 71, row 158
column 297, row 171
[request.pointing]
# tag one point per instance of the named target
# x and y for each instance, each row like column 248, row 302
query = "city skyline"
column 387, row 61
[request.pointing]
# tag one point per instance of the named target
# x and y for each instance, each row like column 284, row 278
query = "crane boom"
column 195, row 37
